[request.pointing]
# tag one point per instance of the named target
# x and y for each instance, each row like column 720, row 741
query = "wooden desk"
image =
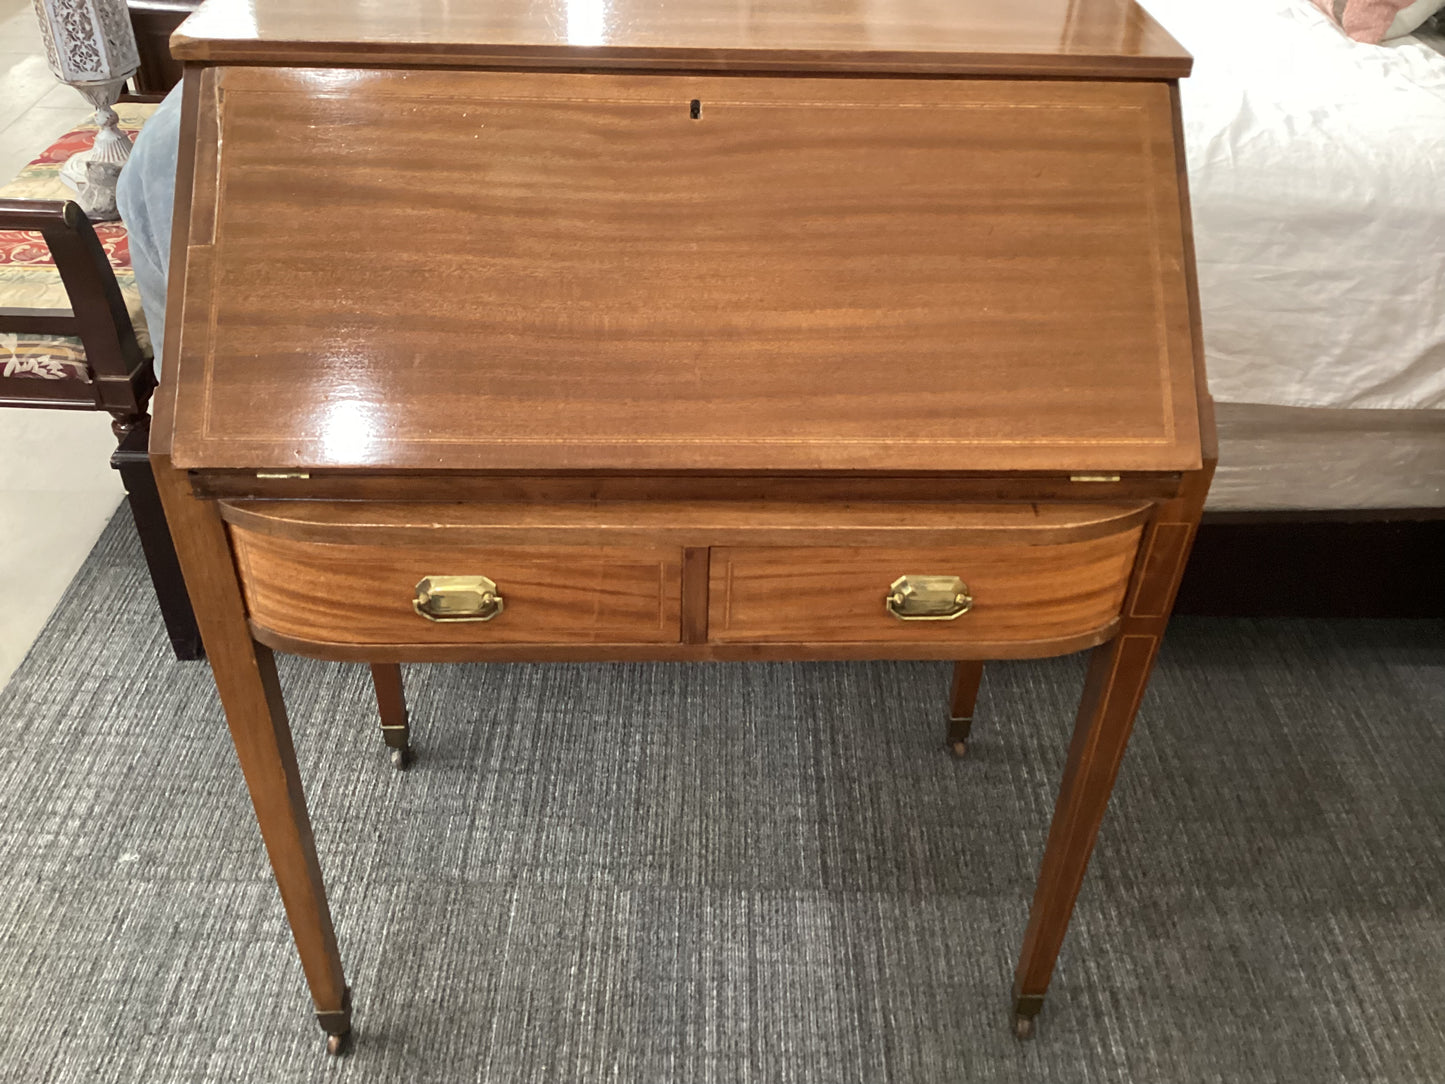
column 728, row 330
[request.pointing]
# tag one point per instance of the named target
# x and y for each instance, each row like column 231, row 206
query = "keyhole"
column 695, row 111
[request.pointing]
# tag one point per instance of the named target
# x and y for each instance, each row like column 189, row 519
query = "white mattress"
column 1317, row 175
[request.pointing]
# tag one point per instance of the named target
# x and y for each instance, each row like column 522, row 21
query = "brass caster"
column 400, row 758
column 336, row 1045
column 958, row 749
column 1023, row 1027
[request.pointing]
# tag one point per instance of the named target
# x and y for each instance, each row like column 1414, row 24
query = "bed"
column 1317, row 174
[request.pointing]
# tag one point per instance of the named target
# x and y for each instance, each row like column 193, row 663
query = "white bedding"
column 1317, row 175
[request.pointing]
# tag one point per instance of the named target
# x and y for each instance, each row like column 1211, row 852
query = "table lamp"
column 91, row 47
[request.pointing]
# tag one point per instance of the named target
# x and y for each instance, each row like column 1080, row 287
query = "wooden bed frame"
column 1317, row 563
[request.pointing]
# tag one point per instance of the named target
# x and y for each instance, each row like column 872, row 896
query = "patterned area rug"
column 730, row 873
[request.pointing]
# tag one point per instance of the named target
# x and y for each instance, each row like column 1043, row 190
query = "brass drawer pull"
column 457, row 598
column 928, row 598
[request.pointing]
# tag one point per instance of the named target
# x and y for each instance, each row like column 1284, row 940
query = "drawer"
column 680, row 576
column 364, row 593
column 1014, row 592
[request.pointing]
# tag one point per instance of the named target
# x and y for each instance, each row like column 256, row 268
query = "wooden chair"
column 88, row 357
column 154, row 21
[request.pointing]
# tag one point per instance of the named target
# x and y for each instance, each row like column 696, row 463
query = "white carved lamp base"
column 93, row 173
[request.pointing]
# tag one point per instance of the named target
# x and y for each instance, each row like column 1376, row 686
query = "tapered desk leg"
column 966, row 678
column 245, row 674
column 391, row 703
column 1118, row 673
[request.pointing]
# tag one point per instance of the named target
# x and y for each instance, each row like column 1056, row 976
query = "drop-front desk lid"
column 437, row 268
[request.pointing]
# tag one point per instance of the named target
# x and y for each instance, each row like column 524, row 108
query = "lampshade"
column 88, row 41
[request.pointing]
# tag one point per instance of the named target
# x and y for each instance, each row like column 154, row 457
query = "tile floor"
column 56, row 487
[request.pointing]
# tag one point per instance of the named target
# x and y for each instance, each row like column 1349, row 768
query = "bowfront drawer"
column 706, row 579
column 419, row 593
column 997, row 594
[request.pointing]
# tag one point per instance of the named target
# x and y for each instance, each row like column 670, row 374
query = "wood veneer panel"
column 803, row 489
column 952, row 650
column 250, row 691
column 167, row 352
column 362, row 594
column 1054, row 37
column 681, row 523
column 823, row 594
column 1113, row 689
column 534, row 272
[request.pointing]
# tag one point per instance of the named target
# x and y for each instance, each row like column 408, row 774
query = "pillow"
column 1373, row 21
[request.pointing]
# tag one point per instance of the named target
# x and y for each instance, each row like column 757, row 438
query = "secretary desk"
column 726, row 330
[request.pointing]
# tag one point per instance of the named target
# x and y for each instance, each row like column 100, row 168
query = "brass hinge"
column 283, row 474
column 1093, row 477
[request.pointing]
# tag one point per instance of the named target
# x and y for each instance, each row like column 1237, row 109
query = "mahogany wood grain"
column 683, row 523
column 967, row 676
column 1208, row 434
column 600, row 573
column 363, row 594
column 391, row 704
column 828, row 594
column 801, row 651
column 245, row 674
column 1108, row 38
column 804, row 489
column 694, row 594
column 1118, row 672
column 889, row 275
column 163, row 403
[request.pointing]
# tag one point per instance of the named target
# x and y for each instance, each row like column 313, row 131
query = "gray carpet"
column 731, row 873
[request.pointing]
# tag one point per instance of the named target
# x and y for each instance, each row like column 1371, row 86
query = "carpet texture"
column 727, row 873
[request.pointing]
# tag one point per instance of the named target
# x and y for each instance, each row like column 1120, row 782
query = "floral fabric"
column 28, row 277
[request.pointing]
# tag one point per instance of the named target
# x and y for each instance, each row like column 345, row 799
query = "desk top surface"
column 1100, row 38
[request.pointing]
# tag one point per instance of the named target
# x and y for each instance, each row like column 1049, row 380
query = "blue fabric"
column 146, row 194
